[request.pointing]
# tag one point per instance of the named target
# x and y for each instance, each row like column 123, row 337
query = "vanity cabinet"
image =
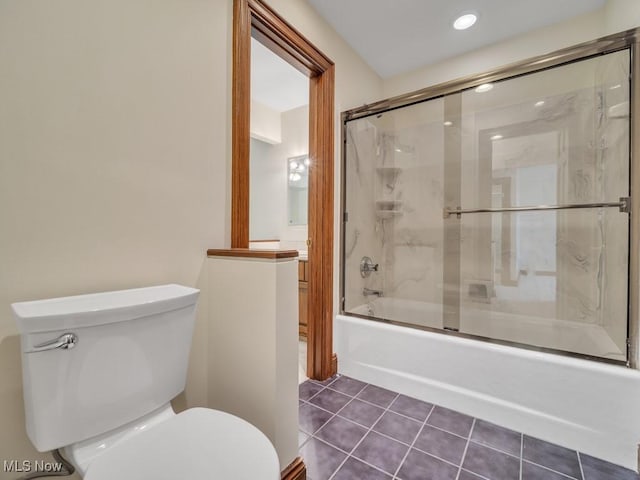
column 303, row 284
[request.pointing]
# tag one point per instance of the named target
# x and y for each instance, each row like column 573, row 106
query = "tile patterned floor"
column 351, row 430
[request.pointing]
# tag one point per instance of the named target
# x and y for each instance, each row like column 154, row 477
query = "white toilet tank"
column 129, row 356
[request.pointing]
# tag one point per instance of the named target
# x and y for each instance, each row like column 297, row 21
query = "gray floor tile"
column 535, row 472
column 501, row 438
column 491, row 463
column 441, row 444
column 492, row 452
column 341, row 433
column 451, row 421
column 354, row 469
column 596, row 469
column 464, row 475
column 348, row 386
column 308, row 389
column 311, row 418
column 396, row 426
column 330, row 400
column 321, row 459
column 361, row 412
column 384, row 453
column 378, row 396
column 420, row 466
column 411, row 407
column 551, row 456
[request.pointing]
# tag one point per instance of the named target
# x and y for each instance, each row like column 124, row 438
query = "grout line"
column 395, row 475
column 580, row 463
column 521, row 452
column 361, row 440
column 551, row 470
column 466, row 447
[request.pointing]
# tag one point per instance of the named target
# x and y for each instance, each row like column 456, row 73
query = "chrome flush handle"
column 66, row 342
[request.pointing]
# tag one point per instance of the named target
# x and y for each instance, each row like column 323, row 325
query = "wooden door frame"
column 257, row 19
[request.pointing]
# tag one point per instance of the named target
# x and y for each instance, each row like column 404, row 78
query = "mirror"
column 297, row 190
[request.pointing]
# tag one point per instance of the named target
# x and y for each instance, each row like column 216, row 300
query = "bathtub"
column 584, row 405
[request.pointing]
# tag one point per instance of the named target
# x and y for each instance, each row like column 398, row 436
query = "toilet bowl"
column 99, row 372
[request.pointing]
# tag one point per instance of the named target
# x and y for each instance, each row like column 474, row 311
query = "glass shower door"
column 498, row 212
column 545, row 158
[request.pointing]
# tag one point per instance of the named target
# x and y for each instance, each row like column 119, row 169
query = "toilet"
column 99, row 372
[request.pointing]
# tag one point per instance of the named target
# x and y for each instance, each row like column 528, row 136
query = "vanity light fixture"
column 485, row 87
column 465, row 21
column 539, row 103
column 615, row 87
column 448, row 123
column 307, row 161
column 293, row 165
column 496, row 137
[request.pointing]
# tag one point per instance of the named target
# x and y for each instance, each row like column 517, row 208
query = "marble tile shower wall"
column 362, row 235
column 394, row 199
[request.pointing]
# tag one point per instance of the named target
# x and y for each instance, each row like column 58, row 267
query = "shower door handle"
column 623, row 204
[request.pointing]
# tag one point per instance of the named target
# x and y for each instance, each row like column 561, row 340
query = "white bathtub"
column 584, row 405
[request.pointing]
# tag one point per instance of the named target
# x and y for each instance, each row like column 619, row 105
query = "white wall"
column 268, row 192
column 113, row 170
column 268, row 183
column 253, row 345
column 265, row 123
column 615, row 16
column 115, row 155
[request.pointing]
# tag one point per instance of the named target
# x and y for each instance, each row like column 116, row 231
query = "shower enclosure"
column 498, row 207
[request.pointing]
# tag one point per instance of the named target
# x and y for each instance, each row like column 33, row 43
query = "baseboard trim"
column 296, row 470
column 334, row 364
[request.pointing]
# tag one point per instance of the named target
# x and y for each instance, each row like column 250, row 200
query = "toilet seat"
column 198, row 443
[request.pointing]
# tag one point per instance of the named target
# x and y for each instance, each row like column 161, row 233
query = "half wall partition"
column 498, row 206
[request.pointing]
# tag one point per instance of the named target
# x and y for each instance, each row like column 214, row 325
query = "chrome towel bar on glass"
column 624, row 205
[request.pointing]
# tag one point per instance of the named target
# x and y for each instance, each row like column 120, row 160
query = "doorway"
column 255, row 19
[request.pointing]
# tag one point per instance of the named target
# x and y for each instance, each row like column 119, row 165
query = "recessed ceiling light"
column 539, row 103
column 465, row 21
column 485, row 87
column 496, row 137
column 448, row 123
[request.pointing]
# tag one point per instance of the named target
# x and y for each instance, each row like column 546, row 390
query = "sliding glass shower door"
column 499, row 211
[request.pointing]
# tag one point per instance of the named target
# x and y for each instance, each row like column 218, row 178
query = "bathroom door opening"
column 254, row 18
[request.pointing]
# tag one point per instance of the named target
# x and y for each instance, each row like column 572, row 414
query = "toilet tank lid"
column 100, row 308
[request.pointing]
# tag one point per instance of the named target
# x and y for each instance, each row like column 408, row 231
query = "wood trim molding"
column 251, row 253
column 241, row 109
column 267, row 240
column 255, row 18
column 277, row 34
column 321, row 186
column 296, row 470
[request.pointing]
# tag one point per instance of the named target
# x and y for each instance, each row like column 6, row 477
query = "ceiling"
column 397, row 36
column 274, row 82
